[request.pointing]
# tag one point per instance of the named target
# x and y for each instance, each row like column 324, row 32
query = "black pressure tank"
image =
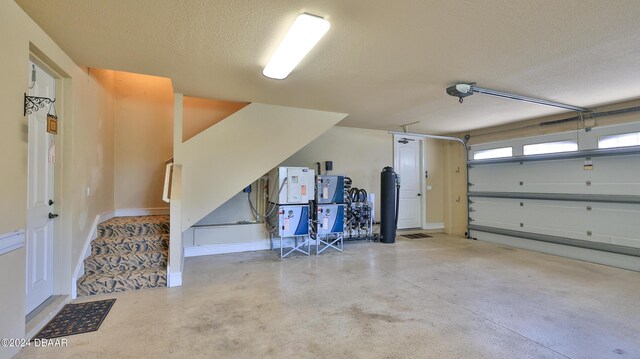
column 389, row 191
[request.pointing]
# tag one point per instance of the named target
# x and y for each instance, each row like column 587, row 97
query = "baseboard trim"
column 209, row 249
column 130, row 212
column 86, row 251
column 434, row 225
column 174, row 279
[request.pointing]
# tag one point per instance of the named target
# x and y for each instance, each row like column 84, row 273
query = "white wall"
column 235, row 210
column 357, row 153
column 360, row 154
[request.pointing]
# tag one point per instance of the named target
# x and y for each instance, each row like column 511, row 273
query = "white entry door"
column 407, row 164
column 39, row 241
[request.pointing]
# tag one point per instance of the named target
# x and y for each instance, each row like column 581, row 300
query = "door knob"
column 53, row 215
column 51, row 202
column 419, row 194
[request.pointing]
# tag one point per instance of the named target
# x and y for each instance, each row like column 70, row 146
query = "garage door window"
column 619, row 140
column 493, row 153
column 550, row 147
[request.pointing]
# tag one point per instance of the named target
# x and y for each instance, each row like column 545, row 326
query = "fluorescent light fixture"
column 303, row 35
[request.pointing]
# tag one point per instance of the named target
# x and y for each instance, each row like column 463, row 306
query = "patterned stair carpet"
column 130, row 253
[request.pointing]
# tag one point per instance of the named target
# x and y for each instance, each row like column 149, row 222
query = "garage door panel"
column 598, row 222
column 560, row 189
column 619, row 176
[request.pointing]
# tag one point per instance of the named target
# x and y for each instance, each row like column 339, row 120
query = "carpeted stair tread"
column 134, row 226
column 125, row 261
column 113, row 282
column 130, row 253
column 123, row 244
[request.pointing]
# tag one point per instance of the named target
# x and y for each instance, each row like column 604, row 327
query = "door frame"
column 62, row 243
column 34, row 178
column 423, row 167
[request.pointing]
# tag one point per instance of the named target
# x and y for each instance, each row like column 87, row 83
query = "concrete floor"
column 444, row 297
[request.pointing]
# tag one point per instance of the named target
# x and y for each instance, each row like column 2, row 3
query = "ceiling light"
column 462, row 90
column 303, row 35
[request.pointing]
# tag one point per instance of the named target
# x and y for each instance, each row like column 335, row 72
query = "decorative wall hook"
column 33, row 104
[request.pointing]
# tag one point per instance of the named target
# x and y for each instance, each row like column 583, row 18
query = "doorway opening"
column 408, row 162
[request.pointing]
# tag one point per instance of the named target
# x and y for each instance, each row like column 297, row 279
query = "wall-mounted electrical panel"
column 292, row 220
column 291, row 185
column 330, row 218
column 330, row 189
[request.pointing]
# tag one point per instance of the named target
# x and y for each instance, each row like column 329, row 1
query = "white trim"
column 167, row 179
column 423, row 167
column 11, row 241
column 174, row 279
column 86, row 251
column 433, row 225
column 205, row 250
column 130, row 212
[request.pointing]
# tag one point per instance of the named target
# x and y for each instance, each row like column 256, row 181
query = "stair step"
column 113, row 282
column 125, row 261
column 134, row 226
column 117, row 245
column 130, row 253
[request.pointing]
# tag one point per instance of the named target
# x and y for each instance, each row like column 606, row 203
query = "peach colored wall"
column 434, row 154
column 455, row 193
column 143, row 139
column 202, row 113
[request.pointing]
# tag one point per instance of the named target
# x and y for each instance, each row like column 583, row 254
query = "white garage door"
column 582, row 203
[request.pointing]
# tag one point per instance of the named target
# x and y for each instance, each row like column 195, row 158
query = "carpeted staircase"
column 130, row 253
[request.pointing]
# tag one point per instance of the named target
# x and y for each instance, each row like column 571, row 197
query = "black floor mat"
column 76, row 319
column 417, row 235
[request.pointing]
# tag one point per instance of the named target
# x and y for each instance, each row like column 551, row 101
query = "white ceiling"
column 384, row 62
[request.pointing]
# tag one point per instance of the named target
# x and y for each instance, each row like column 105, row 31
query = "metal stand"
column 361, row 233
column 336, row 243
column 297, row 246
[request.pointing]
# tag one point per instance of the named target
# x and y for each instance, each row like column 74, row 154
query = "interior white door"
column 39, row 240
column 407, row 160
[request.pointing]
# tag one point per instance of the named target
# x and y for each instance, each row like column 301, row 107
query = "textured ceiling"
column 384, row 62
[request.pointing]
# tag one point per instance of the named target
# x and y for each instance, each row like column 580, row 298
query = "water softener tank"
column 389, row 195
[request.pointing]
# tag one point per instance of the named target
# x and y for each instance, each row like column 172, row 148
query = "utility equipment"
column 389, row 204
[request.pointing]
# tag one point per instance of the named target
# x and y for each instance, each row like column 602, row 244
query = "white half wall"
column 220, row 161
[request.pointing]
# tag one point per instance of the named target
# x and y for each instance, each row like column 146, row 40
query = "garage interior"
column 321, row 179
